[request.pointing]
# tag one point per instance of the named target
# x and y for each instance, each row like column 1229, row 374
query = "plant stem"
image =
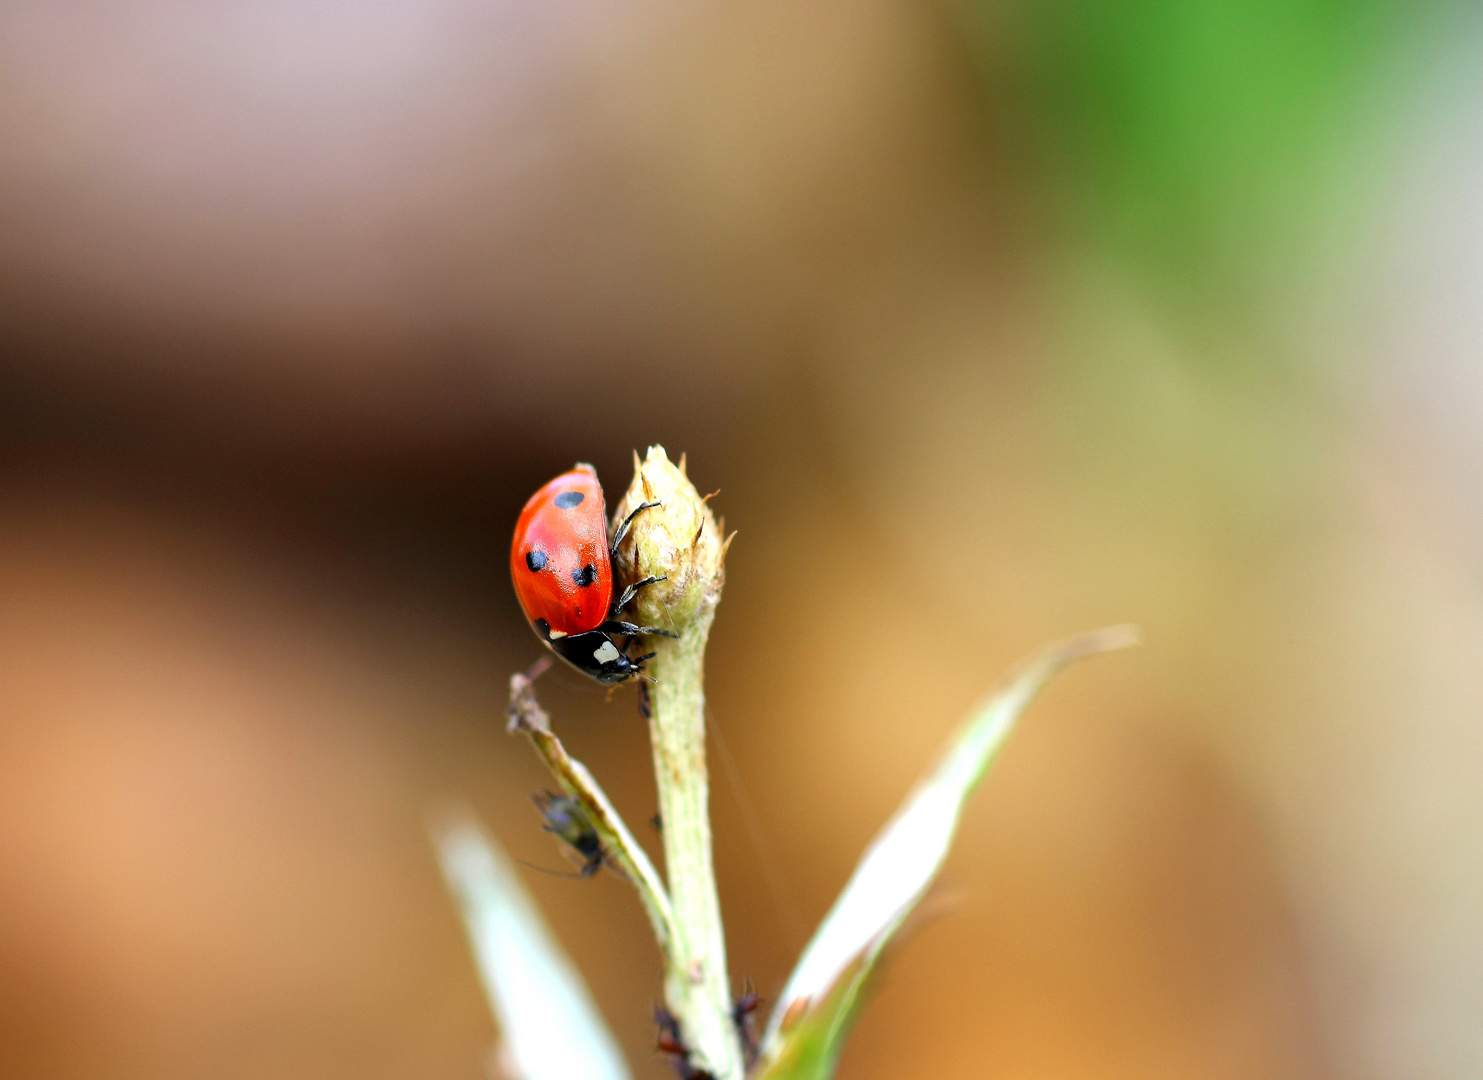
column 697, row 989
column 623, row 852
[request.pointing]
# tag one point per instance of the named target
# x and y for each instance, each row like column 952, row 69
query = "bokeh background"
column 992, row 320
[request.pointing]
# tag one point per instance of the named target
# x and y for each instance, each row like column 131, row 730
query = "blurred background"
column 992, row 320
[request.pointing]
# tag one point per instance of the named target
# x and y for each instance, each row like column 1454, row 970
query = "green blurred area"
column 1206, row 142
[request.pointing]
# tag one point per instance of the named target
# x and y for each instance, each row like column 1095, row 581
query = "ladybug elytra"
column 561, row 562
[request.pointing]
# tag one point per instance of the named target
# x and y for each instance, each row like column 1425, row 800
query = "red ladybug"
column 562, row 564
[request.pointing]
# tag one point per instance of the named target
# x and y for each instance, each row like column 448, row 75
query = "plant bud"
column 677, row 540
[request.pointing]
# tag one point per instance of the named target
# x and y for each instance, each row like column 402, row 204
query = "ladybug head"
column 595, row 654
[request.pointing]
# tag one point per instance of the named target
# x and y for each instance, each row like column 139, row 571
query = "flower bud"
column 677, row 540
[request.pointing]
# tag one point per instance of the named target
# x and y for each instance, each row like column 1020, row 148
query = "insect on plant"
column 561, row 561
column 566, row 819
column 662, row 560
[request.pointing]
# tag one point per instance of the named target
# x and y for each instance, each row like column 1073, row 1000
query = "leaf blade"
column 550, row 1027
column 828, row 984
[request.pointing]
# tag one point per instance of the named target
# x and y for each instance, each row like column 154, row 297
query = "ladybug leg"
column 615, row 626
column 623, row 529
column 638, row 673
column 637, row 661
column 622, row 601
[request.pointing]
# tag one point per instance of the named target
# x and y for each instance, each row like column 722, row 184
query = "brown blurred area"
column 298, row 303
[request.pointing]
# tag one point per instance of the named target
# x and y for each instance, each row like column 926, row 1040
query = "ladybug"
column 561, row 561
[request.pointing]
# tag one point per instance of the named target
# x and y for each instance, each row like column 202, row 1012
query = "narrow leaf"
column 807, row 1027
column 550, row 1026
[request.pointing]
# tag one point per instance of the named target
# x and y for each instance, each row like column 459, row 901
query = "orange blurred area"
column 299, row 303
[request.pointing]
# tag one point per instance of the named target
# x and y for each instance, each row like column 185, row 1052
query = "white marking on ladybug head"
column 605, row 653
column 554, row 634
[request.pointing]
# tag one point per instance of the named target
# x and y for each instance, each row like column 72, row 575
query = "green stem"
column 697, row 989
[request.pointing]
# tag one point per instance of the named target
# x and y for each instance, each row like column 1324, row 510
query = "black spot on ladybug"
column 536, row 560
column 544, row 629
column 586, row 575
column 568, row 499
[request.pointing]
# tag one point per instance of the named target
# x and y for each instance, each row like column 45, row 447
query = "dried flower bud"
column 677, row 540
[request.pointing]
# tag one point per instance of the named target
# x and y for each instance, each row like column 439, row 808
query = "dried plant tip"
column 677, row 541
column 524, row 713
